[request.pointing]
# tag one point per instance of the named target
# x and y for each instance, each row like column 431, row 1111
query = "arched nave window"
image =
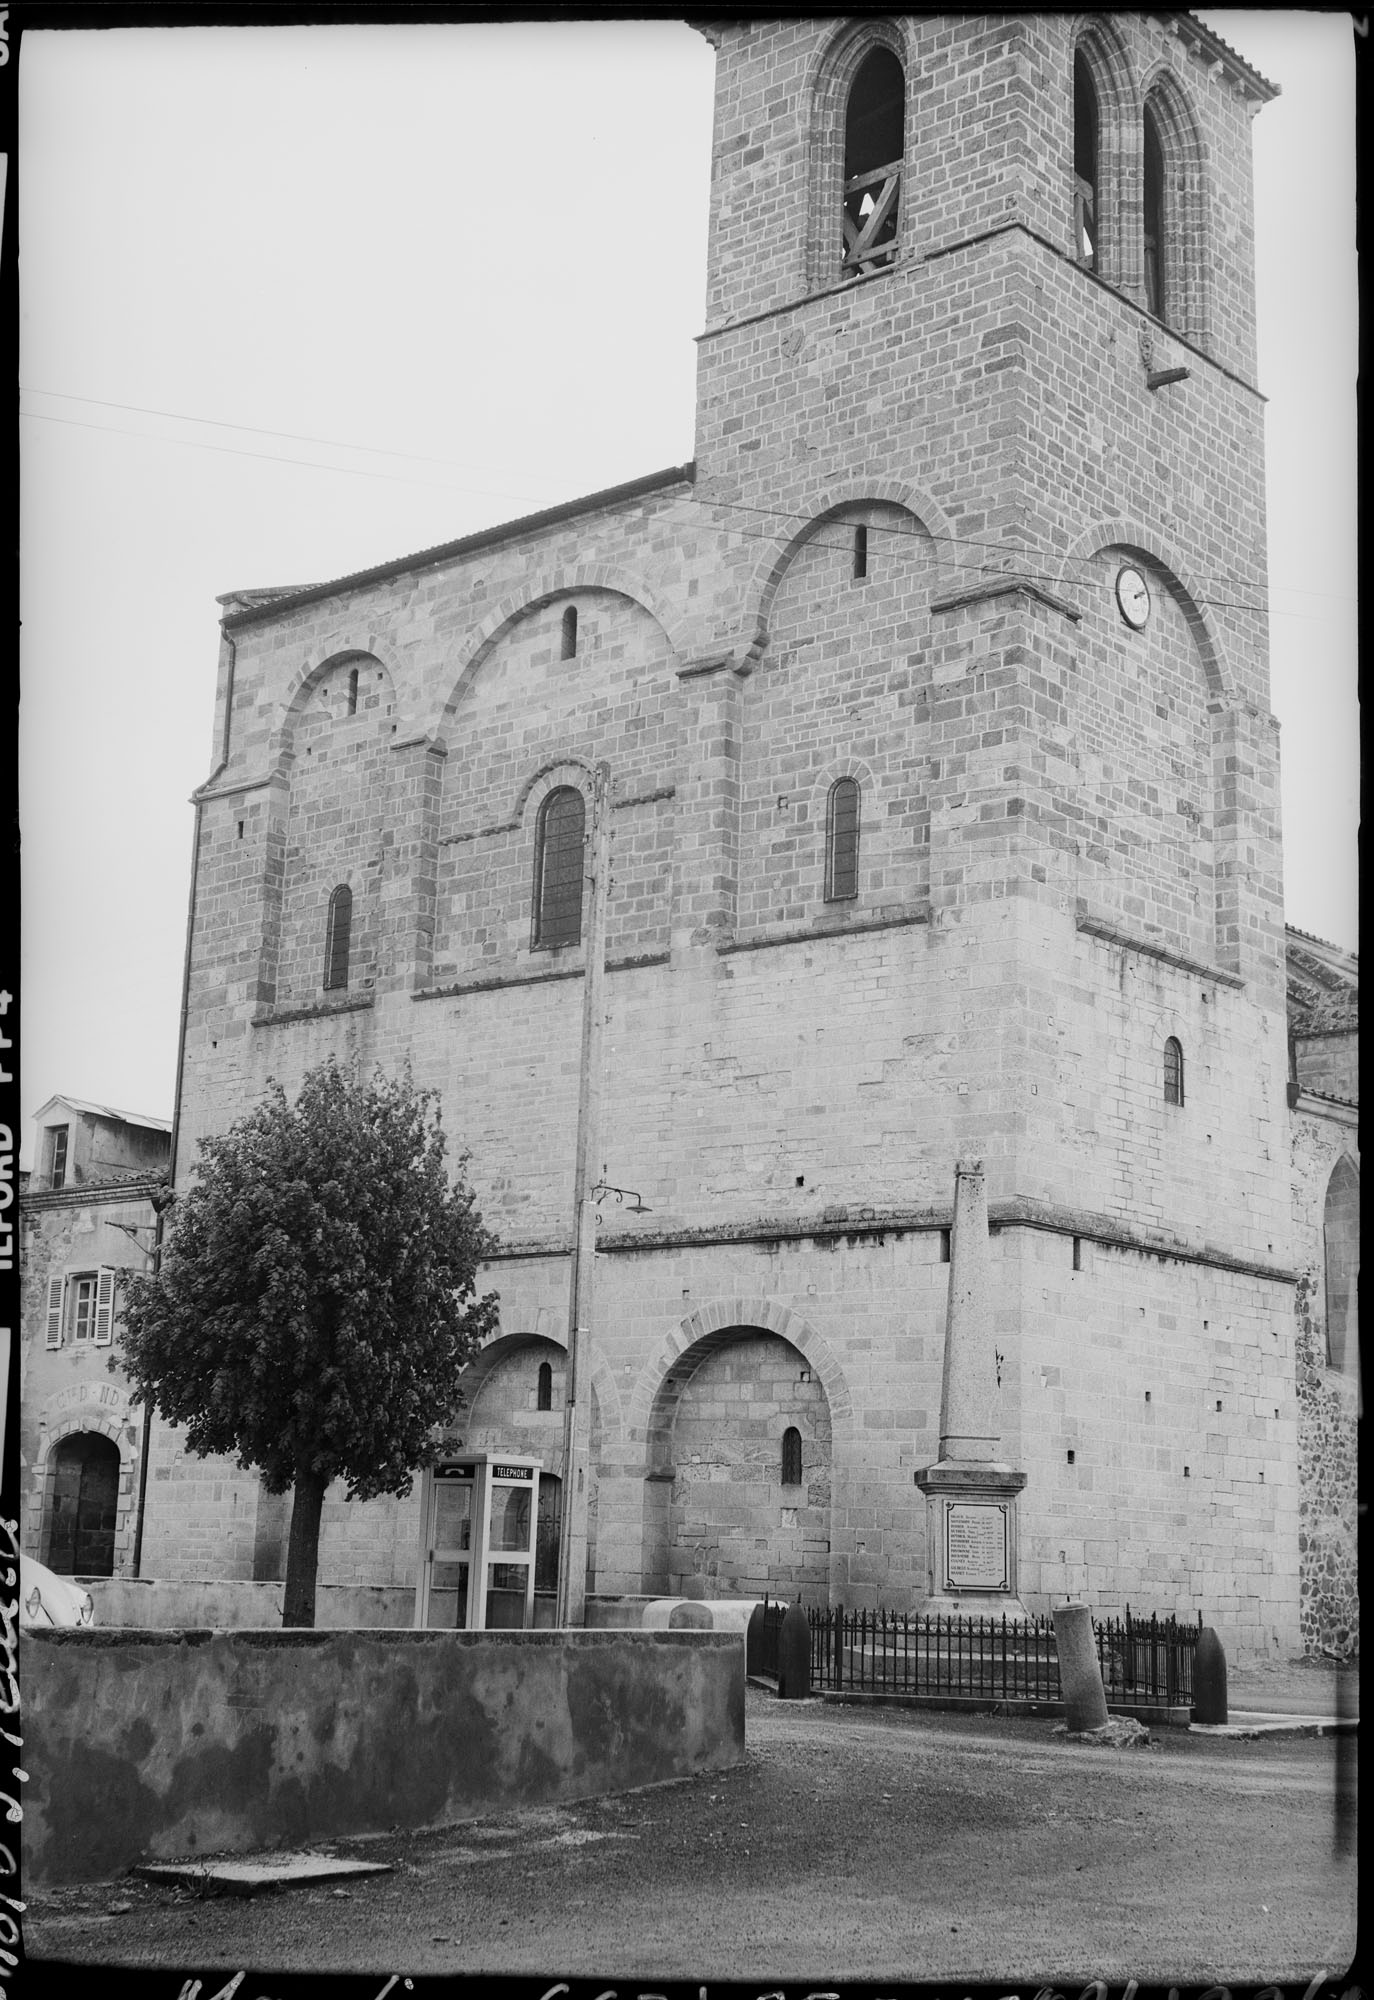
column 842, row 841
column 558, row 868
column 337, row 936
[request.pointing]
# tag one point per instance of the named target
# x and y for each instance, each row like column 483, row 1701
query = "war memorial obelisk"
column 971, row 1493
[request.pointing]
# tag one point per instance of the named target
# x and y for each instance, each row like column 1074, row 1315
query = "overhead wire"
column 1006, row 552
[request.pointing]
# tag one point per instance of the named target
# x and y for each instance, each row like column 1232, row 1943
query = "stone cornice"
column 1147, row 948
column 1007, row 586
column 1015, row 1212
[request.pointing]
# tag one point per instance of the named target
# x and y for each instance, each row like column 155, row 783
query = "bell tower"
column 979, row 423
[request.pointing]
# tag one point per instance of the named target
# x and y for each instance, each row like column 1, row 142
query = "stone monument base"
column 971, row 1539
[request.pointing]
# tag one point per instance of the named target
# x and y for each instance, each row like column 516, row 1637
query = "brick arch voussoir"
column 1147, row 542
column 779, row 553
column 338, row 646
column 710, row 1326
column 502, row 1346
column 825, row 93
column 1345, row 1164
column 1187, row 156
column 1119, row 93
column 1162, row 86
column 555, row 771
column 613, row 578
column 106, row 1427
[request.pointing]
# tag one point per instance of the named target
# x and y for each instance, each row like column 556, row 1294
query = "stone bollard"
column 794, row 1655
column 753, row 1641
column 1080, row 1676
column 1209, row 1678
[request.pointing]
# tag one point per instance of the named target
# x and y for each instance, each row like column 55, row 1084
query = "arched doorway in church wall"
column 738, row 1487
column 84, row 1506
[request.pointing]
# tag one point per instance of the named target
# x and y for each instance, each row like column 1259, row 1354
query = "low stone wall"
column 232, row 1606
column 159, row 1745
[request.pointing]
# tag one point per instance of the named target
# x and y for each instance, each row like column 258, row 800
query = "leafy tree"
column 315, row 1299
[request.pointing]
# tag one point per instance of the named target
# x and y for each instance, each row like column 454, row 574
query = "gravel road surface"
column 849, row 1844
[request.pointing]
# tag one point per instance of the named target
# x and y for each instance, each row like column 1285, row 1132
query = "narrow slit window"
column 353, row 690
column 874, row 146
column 842, row 842
column 568, row 646
column 860, row 551
column 1173, row 1072
column 543, row 1394
column 337, row 938
column 1341, row 1254
column 1085, row 170
column 558, row 868
column 791, row 1456
column 1156, row 298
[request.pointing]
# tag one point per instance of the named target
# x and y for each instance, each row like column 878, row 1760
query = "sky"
column 295, row 301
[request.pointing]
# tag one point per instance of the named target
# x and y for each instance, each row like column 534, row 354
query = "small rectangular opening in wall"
column 240, row 829
column 1078, row 1253
column 1070, row 1458
column 1218, row 1402
column 860, row 552
column 1147, row 1395
column 1186, row 1473
column 944, row 1246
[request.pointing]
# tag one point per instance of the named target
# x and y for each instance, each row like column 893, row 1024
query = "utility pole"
column 572, row 1547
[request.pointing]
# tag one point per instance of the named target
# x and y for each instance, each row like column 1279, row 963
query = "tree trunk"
column 303, row 1550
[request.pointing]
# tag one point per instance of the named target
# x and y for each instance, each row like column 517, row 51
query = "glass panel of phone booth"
column 450, row 1540
column 510, row 1520
column 447, row 1610
column 452, row 1526
column 507, row 1596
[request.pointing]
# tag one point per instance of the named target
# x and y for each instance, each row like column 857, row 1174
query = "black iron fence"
column 1145, row 1662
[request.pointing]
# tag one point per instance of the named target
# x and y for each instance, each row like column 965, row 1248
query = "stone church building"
column 944, row 797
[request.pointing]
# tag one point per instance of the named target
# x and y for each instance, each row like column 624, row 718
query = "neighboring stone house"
column 87, row 1212
column 1323, row 1097
column 945, row 805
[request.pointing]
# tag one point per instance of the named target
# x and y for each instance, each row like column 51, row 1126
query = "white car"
column 47, row 1599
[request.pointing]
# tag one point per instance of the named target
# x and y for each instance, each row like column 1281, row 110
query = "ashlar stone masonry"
column 945, row 823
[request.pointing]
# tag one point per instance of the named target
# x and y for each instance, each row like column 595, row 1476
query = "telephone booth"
column 479, row 1515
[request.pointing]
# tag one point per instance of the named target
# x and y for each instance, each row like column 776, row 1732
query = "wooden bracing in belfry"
column 870, row 218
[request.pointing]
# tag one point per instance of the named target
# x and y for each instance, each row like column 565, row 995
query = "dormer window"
column 55, row 1144
column 874, row 149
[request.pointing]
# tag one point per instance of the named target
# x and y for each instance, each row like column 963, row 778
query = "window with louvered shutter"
column 558, row 868
column 104, row 1305
column 338, row 934
column 842, row 841
column 54, row 1333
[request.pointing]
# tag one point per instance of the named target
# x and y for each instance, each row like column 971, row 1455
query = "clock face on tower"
column 1133, row 597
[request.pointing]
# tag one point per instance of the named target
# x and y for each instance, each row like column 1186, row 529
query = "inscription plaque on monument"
column 975, row 1545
